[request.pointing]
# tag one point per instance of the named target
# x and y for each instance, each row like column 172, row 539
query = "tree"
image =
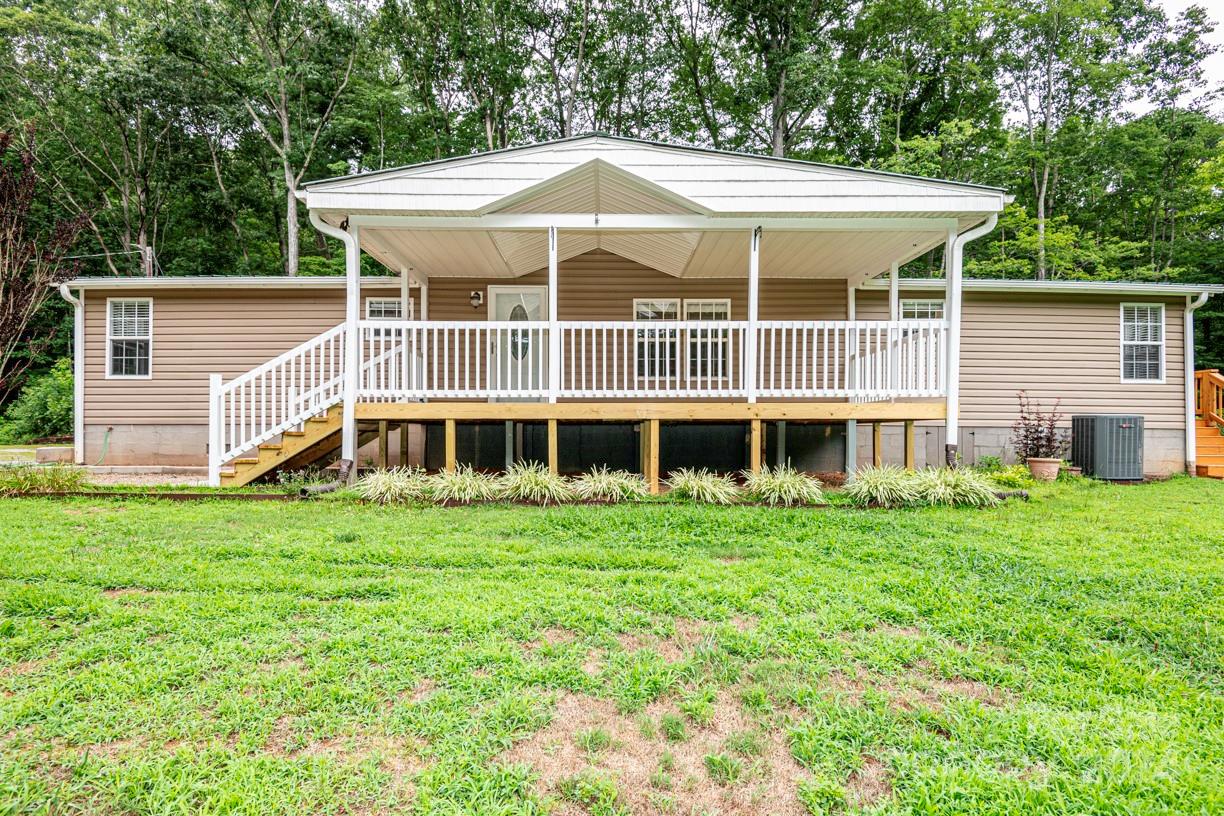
column 287, row 63
column 1065, row 61
column 32, row 260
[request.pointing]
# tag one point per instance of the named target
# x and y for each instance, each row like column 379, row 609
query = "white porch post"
column 851, row 424
column 554, row 327
column 352, row 348
column 754, row 287
column 894, row 336
column 1192, row 304
column 952, row 314
column 424, row 298
column 214, row 430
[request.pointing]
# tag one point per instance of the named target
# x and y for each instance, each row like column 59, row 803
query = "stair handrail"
column 274, row 397
column 1209, row 397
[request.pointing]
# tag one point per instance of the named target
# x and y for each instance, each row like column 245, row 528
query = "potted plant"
column 1037, row 439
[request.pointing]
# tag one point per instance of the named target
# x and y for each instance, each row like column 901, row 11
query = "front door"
column 518, row 358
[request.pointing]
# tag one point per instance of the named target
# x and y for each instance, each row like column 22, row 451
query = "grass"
column 1062, row 655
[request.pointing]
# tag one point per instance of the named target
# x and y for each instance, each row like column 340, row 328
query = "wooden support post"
column 877, row 452
column 652, row 455
column 780, row 445
column 383, row 451
column 509, row 443
column 450, row 445
column 754, row 446
column 909, row 444
column 403, row 440
column 552, row 446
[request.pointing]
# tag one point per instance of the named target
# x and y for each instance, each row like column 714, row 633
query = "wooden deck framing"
column 649, row 415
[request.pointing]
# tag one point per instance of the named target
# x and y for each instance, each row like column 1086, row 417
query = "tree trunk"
column 291, row 225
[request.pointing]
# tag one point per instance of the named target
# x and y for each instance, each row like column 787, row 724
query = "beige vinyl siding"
column 198, row 332
column 602, row 286
column 1054, row 346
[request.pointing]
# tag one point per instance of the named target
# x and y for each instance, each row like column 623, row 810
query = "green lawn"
column 1057, row 656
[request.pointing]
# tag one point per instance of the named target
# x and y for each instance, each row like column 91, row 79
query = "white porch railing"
column 275, row 397
column 862, row 359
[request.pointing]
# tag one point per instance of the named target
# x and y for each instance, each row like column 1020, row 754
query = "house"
column 609, row 300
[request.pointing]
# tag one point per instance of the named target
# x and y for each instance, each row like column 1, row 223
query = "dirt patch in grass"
column 132, row 591
column 656, row 776
column 688, row 635
column 552, row 636
column 422, row 691
column 870, row 785
column 23, row 668
column 922, row 688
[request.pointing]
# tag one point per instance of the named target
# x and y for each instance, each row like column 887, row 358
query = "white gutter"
column 1054, row 287
column 352, row 346
column 953, row 284
column 232, row 282
column 78, row 373
column 1188, row 340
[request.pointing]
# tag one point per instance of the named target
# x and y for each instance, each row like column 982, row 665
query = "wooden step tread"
column 270, row 446
column 293, row 433
column 1210, row 471
column 247, row 460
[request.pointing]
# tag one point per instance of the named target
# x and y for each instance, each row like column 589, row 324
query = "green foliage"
column 989, row 464
column 603, row 485
column 673, row 727
column 463, row 485
column 395, row 486
column 596, row 793
column 954, row 487
column 723, row 769
column 534, row 483
column 782, row 485
column 44, row 407
column 1012, row 477
column 884, row 486
column 19, row 479
column 703, row 486
column 593, row 740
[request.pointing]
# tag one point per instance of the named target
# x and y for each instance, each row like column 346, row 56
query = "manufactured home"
column 602, row 300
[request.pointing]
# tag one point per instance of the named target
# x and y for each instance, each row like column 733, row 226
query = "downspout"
column 78, row 373
column 352, row 348
column 1188, row 339
column 952, row 419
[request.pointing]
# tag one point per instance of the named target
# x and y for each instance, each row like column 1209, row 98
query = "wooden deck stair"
column 1209, row 449
column 296, row 449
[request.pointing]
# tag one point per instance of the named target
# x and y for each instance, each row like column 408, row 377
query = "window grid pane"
column 129, row 337
column 1142, row 342
column 708, row 348
column 656, row 348
column 922, row 310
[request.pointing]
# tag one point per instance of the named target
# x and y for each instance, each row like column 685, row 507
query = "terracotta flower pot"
column 1044, row 470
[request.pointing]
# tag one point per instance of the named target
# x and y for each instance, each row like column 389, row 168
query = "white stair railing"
column 274, row 397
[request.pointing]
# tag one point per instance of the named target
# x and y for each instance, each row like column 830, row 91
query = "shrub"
column 1036, row 434
column 703, row 486
column 783, row 485
column 463, row 485
column 395, row 486
column 44, row 407
column 602, row 484
column 534, row 483
column 41, row 479
column 1012, row 477
column 954, row 487
column 884, row 486
column 989, row 464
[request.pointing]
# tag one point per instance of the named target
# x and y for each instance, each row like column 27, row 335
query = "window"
column 922, row 310
column 1142, row 342
column 708, row 348
column 656, row 348
column 387, row 309
column 129, row 337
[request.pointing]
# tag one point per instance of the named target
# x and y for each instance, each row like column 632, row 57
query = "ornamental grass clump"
column 19, row 479
column 396, row 486
column 883, row 486
column 703, row 486
column 603, row 485
column 534, row 483
column 463, row 485
column 783, row 485
column 955, row 487
column 1011, row 477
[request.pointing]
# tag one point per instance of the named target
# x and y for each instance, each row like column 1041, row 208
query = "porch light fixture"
column 477, row 298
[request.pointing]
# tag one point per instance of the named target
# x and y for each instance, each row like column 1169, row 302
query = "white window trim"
column 911, row 301
column 110, row 337
column 1122, row 344
column 404, row 315
column 726, row 302
column 636, row 301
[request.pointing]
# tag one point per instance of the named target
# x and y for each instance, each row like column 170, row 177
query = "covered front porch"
column 608, row 280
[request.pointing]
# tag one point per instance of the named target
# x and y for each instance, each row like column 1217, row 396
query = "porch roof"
column 682, row 210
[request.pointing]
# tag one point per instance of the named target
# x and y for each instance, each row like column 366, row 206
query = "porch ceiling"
column 689, row 254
